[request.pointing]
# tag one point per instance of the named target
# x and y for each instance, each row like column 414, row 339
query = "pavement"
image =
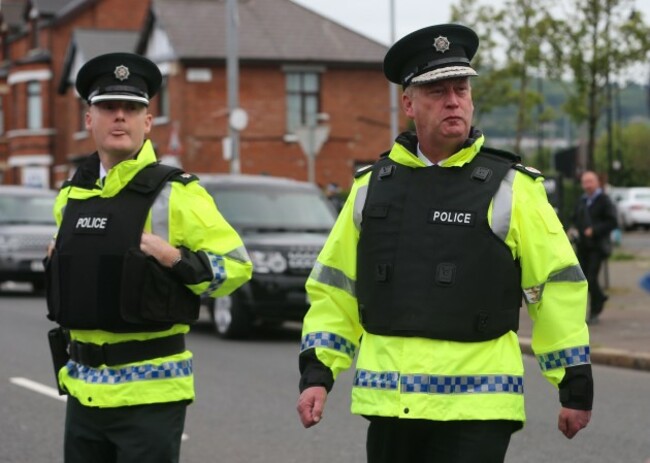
column 621, row 338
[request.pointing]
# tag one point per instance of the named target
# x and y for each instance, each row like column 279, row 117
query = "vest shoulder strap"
column 152, row 178
column 365, row 169
column 515, row 160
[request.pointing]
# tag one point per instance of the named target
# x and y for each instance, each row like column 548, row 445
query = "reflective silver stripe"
column 239, row 254
column 160, row 213
column 329, row 341
column 573, row 273
column 359, row 202
column 333, row 277
column 502, row 206
column 433, row 384
column 564, row 358
column 129, row 374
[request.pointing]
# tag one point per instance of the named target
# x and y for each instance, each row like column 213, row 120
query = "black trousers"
column 136, row 434
column 397, row 440
column 591, row 260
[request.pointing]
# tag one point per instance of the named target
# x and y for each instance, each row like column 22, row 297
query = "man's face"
column 118, row 127
column 442, row 110
column 589, row 182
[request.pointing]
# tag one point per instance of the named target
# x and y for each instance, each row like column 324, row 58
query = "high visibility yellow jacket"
column 185, row 215
column 421, row 378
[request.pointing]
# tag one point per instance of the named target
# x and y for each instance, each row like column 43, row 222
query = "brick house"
column 293, row 65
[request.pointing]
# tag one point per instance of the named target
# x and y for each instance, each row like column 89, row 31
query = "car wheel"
column 231, row 320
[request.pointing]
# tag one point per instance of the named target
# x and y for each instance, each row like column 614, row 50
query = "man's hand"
column 155, row 246
column 311, row 404
column 571, row 421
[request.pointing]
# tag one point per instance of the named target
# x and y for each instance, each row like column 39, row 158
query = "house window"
column 303, row 99
column 2, row 116
column 34, row 105
column 160, row 106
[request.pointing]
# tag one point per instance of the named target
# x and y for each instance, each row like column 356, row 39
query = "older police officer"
column 423, row 275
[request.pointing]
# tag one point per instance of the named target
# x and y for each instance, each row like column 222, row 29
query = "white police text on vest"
column 91, row 224
column 463, row 218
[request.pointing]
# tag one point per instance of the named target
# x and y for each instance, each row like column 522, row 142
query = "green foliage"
column 634, row 151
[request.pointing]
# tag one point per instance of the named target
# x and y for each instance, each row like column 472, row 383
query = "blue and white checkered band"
column 124, row 375
column 218, row 266
column 329, row 341
column 121, row 72
column 430, row 384
column 441, row 44
column 564, row 358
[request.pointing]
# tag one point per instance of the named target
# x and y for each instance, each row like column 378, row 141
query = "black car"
column 26, row 228
column 284, row 224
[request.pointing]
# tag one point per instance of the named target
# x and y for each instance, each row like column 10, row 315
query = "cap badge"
column 441, row 44
column 121, row 72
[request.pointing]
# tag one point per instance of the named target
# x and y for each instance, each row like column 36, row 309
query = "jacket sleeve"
column 331, row 329
column 214, row 260
column 555, row 291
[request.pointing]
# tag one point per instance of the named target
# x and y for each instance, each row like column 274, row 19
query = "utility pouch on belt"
column 59, row 350
column 151, row 293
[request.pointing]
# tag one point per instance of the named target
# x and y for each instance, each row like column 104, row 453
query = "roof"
column 251, row 181
column 88, row 43
column 268, row 30
column 50, row 7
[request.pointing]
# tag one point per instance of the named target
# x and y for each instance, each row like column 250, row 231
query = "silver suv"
column 26, row 227
column 284, row 224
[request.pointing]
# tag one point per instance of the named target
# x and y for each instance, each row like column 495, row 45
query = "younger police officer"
column 423, row 275
column 137, row 243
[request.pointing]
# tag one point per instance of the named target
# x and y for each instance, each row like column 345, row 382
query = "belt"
column 94, row 355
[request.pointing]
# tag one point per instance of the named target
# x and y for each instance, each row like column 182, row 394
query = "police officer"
column 423, row 274
column 138, row 242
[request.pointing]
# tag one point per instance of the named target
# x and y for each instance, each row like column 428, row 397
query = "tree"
column 634, row 146
column 590, row 42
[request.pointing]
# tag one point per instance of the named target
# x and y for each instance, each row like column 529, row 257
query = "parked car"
column 633, row 206
column 26, row 227
column 284, row 224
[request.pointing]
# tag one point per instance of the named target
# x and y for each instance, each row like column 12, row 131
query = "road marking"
column 52, row 392
column 38, row 387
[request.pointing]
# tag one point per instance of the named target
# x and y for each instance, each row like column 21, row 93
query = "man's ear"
column 148, row 123
column 88, row 119
column 407, row 104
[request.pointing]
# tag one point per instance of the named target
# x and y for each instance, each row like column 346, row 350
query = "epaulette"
column 530, row 171
column 361, row 171
column 365, row 169
column 184, row 178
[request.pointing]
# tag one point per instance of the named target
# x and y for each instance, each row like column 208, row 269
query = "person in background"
column 138, row 242
column 333, row 193
column 594, row 220
column 422, row 276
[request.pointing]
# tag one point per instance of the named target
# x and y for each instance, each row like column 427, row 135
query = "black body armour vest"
column 429, row 264
column 86, row 268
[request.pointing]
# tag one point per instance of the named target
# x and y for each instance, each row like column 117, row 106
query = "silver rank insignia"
column 441, row 44
column 121, row 72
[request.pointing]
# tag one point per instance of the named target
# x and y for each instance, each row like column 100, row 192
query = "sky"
column 372, row 17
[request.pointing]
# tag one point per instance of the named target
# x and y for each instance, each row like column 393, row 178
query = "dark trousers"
column 591, row 260
column 397, row 440
column 137, row 434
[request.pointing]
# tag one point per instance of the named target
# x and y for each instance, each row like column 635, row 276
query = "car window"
column 20, row 209
column 642, row 196
column 274, row 208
